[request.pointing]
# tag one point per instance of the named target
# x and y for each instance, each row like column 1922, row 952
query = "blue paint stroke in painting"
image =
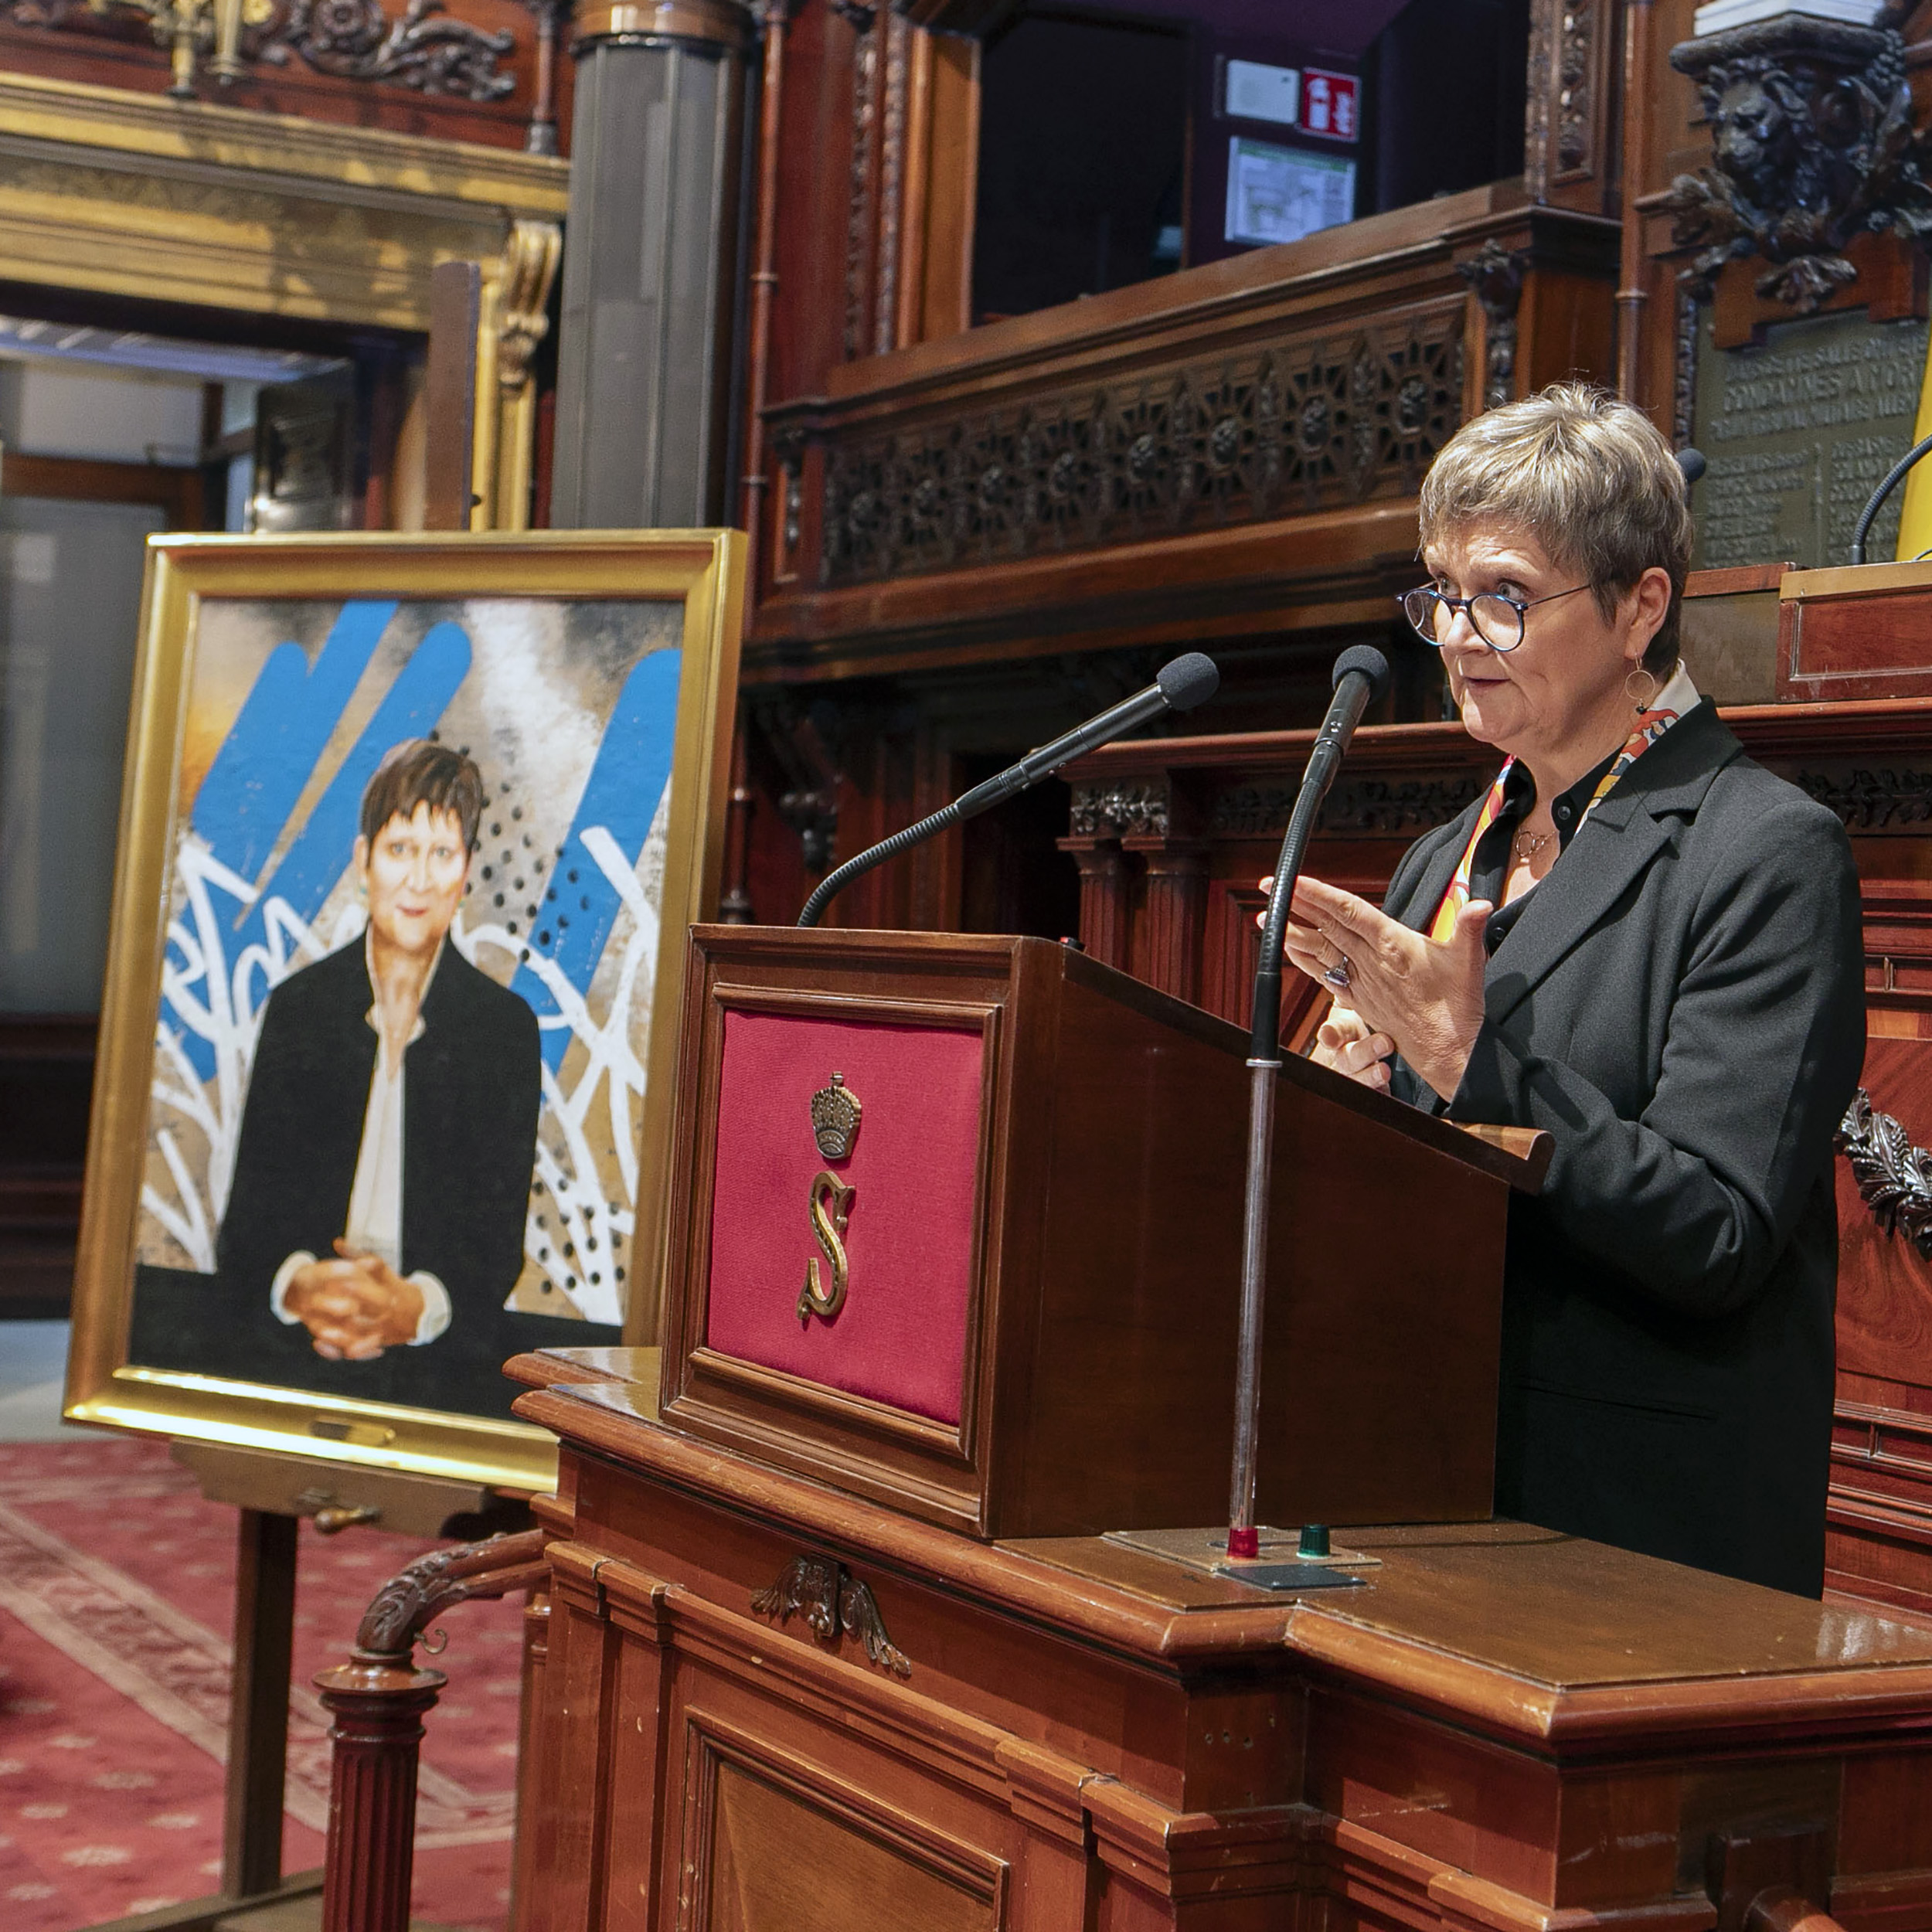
column 580, row 905
column 271, row 749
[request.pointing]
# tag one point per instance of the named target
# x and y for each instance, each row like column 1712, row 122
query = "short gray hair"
column 1590, row 478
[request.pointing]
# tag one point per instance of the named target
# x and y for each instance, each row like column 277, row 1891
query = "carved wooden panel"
column 1303, row 421
column 782, row 1855
column 1570, row 140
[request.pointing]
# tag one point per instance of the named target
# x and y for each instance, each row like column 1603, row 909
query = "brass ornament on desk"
column 831, row 1600
column 835, row 1115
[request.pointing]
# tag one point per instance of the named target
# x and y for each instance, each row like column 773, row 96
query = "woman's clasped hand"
column 1396, row 991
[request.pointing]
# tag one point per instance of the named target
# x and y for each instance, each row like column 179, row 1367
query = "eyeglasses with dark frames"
column 1497, row 619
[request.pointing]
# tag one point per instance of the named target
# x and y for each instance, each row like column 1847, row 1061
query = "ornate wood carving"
column 422, row 49
column 1543, row 46
column 523, row 307
column 859, row 214
column 1494, row 273
column 1868, row 800
column 1576, row 73
column 1377, row 806
column 1684, row 369
column 1301, row 422
column 1894, row 1176
column 1813, row 143
column 892, row 174
column 1561, row 134
column 831, row 1599
column 1102, row 811
column 400, row 1610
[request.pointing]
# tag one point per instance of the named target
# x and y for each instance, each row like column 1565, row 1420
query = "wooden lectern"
column 834, row 1642
column 1041, row 1225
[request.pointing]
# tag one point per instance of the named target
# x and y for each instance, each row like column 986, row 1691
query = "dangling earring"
column 1641, row 703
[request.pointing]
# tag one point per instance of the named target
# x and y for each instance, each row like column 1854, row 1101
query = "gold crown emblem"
column 835, row 1118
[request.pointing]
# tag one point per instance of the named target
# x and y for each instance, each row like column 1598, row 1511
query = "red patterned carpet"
column 117, row 1583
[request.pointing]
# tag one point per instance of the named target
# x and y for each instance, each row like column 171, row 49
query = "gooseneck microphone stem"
column 1869, row 515
column 1187, row 682
column 1359, row 675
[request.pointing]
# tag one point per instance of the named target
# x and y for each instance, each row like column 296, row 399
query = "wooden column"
column 378, row 1710
column 644, row 351
column 1104, row 887
column 1167, row 936
column 378, row 1700
column 536, row 1657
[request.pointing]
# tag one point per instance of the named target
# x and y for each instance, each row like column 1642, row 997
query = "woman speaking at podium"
column 1646, row 945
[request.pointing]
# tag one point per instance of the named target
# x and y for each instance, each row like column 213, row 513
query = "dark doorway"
column 1444, row 86
column 1083, row 158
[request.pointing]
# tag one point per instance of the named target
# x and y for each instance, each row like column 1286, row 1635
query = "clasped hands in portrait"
column 355, row 1306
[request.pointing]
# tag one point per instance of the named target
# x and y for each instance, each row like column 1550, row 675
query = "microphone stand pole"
column 1264, row 1066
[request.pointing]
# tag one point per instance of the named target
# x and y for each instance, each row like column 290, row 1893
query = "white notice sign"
column 1281, row 194
column 1256, row 91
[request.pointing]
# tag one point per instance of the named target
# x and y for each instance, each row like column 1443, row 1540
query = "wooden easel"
column 271, row 1493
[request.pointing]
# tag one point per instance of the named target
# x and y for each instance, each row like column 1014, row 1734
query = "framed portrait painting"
column 411, row 830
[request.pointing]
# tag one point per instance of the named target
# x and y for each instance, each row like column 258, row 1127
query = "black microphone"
column 1361, row 675
column 1691, row 461
column 1187, row 682
column 1869, row 515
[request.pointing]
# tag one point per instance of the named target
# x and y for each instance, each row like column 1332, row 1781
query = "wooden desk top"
column 1509, row 1627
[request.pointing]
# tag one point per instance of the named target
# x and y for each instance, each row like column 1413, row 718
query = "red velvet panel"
column 901, row 1336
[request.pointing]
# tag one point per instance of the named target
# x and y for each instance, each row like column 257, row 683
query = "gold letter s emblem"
column 831, row 1209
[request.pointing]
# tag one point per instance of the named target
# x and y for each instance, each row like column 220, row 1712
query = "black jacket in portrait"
column 471, row 1089
column 1680, row 1005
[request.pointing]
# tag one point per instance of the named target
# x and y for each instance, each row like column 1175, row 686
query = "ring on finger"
column 1337, row 975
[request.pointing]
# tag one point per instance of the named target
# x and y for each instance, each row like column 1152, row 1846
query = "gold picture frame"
column 201, row 593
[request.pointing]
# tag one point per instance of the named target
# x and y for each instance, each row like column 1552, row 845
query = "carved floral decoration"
column 831, row 1599
column 424, row 48
column 1812, row 144
column 1894, row 1177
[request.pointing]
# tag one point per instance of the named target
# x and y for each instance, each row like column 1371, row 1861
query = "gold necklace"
column 1526, row 853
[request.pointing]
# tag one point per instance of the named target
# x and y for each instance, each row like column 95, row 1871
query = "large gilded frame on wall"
column 537, row 626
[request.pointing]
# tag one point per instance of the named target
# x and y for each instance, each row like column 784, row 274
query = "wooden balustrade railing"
column 378, row 1701
column 1234, row 448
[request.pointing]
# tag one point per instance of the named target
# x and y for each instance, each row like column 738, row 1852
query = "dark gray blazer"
column 1681, row 1005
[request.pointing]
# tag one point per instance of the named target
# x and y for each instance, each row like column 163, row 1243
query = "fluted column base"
column 378, row 1709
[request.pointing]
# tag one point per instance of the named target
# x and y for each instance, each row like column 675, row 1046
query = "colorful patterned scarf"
column 1651, row 727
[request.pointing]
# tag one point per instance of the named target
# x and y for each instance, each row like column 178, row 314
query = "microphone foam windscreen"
column 1189, row 681
column 1366, row 658
column 1691, row 461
